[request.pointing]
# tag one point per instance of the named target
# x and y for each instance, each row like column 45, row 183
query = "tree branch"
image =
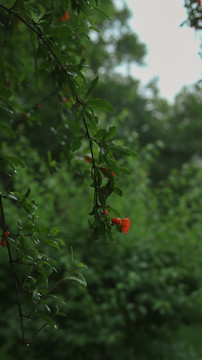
column 93, row 160
column 66, row 73
column 38, row 34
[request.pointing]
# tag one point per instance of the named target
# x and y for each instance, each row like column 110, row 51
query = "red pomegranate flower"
column 125, row 225
column 3, row 242
column 116, row 221
column 106, row 213
column 107, row 170
column 65, row 17
column 6, row 233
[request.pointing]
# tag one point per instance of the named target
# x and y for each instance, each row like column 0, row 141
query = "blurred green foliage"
column 143, row 298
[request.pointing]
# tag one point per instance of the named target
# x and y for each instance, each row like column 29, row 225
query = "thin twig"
column 31, row 338
column 13, row 272
column 29, row 272
column 2, row 215
column 59, row 281
column 36, row 332
column 66, row 73
column 38, row 34
column 93, row 160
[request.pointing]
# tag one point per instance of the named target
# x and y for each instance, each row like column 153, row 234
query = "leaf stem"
column 93, row 160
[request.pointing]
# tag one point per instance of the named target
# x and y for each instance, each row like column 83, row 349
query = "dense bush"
column 144, row 286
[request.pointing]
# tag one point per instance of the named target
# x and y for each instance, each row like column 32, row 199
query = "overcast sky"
column 172, row 50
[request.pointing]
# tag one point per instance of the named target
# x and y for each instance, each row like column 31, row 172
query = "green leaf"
column 120, row 150
column 17, row 4
column 111, row 132
column 36, row 296
column 111, row 164
column 81, row 265
column 102, row 12
column 60, row 31
column 118, row 191
column 94, row 28
column 115, row 212
column 53, row 243
column 77, row 143
column 92, row 120
column 60, row 241
column 92, row 86
column 102, row 199
column 12, row 160
column 27, row 192
column 100, row 104
column 12, row 196
column 124, row 170
column 80, row 280
column 100, row 134
column 7, row 129
column 8, row 3
column 5, row 93
column 46, row 318
column 55, row 230
column 61, row 314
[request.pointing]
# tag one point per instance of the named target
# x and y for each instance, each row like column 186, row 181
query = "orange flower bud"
column 67, row 17
column 107, row 170
column 6, row 233
column 116, row 221
column 3, row 242
column 125, row 225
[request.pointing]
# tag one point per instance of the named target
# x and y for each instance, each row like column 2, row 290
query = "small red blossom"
column 107, row 170
column 38, row 106
column 6, row 233
column 106, row 213
column 67, row 17
column 3, row 242
column 64, row 99
column 116, row 221
column 88, row 158
column 125, row 225
column 199, row 2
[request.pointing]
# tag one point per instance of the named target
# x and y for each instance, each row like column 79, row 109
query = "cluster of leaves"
column 194, row 9
column 46, row 97
column 57, row 53
column 32, row 268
